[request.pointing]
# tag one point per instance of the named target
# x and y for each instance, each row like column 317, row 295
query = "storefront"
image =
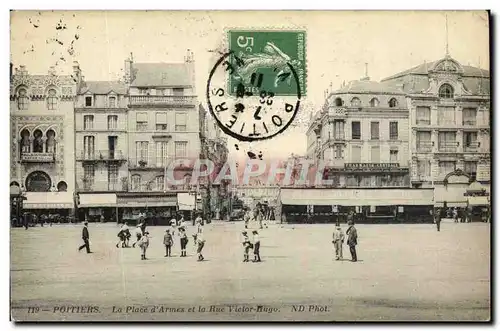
column 478, row 203
column 155, row 208
column 382, row 205
column 97, row 207
column 49, row 206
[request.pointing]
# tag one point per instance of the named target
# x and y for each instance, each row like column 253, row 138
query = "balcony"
column 471, row 147
column 469, row 122
column 448, row 147
column 421, row 178
column 104, row 155
column 162, row 100
column 89, row 185
column 424, row 147
column 149, row 163
column 337, row 112
column 38, row 157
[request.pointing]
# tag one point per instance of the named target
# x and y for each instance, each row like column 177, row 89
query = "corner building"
column 449, row 106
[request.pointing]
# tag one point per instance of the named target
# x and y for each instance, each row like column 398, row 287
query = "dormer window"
column 393, row 103
column 88, row 101
column 338, row 102
column 22, row 99
column 52, row 100
column 112, row 102
column 446, row 91
column 374, row 102
column 143, row 91
column 355, row 102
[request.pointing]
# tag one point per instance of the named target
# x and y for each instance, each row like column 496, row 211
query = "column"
column 459, row 116
column 434, row 115
column 44, row 144
column 460, row 140
column 435, row 174
column 435, row 141
column 413, row 142
column 30, row 148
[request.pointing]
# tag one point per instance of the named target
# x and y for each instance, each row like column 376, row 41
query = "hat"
column 86, row 223
column 244, row 232
column 167, row 230
column 254, row 231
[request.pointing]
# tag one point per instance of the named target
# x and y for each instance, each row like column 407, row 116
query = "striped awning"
column 479, row 201
column 97, row 200
column 48, row 200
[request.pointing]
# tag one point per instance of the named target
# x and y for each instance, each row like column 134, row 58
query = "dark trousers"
column 438, row 224
column 183, row 243
column 168, row 250
column 85, row 245
column 353, row 253
column 256, row 251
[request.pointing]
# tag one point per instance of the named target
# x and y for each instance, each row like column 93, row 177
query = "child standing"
column 173, row 225
column 168, row 241
column 138, row 234
column 247, row 245
column 184, row 240
column 256, row 246
column 338, row 241
column 144, row 244
column 201, row 243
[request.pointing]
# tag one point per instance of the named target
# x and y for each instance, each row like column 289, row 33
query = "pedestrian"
column 256, row 246
column 246, row 218
column 138, row 234
column 143, row 223
column 86, row 238
column 144, row 244
column 338, row 241
column 168, row 241
column 455, row 215
column 183, row 224
column 173, row 225
column 352, row 240
column 437, row 218
column 184, row 240
column 122, row 236
column 201, row 243
column 25, row 222
column 247, row 245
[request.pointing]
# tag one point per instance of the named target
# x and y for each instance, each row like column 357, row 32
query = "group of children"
column 248, row 245
column 143, row 238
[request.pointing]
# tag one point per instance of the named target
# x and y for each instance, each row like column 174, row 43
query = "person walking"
column 86, row 238
column 168, row 241
column 144, row 244
column 138, row 234
column 437, row 219
column 352, row 240
column 256, row 246
column 338, row 241
column 247, row 245
column 201, row 243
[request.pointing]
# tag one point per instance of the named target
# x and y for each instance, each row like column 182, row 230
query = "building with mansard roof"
column 449, row 108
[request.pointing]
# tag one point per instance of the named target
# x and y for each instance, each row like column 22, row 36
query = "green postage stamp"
column 268, row 58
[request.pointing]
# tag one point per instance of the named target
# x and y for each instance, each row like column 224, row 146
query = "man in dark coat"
column 352, row 240
column 437, row 219
column 85, row 237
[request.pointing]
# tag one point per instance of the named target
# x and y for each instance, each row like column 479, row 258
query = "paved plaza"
column 405, row 272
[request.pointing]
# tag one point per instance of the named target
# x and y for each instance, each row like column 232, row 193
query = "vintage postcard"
column 250, row 166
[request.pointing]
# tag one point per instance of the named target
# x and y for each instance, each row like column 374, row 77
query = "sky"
column 338, row 44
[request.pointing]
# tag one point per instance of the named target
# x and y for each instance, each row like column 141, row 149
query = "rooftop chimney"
column 128, row 78
column 366, row 73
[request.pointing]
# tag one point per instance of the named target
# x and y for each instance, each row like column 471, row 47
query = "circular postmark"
column 250, row 112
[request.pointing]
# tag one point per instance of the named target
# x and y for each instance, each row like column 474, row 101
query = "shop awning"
column 145, row 202
column 97, row 200
column 357, row 197
column 479, row 201
column 454, row 196
column 48, row 200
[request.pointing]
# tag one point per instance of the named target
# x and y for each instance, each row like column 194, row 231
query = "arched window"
column 62, row 186
column 338, row 102
column 38, row 181
column 446, row 91
column 25, row 141
column 51, row 141
column 37, row 142
column 136, row 182
column 22, row 99
column 393, row 103
column 52, row 100
column 159, row 182
column 374, row 102
column 355, row 102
